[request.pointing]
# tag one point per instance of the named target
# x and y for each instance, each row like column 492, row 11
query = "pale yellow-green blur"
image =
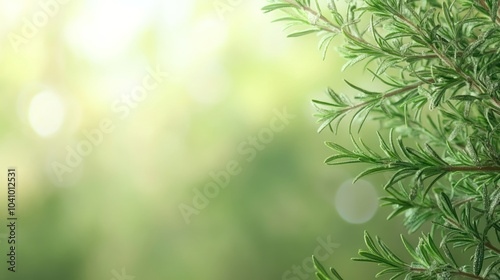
column 121, row 115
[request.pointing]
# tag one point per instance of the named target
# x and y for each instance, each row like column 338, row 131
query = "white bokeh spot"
column 356, row 203
column 46, row 113
column 106, row 29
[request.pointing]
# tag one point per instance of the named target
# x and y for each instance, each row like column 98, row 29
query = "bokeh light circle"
column 46, row 113
column 356, row 203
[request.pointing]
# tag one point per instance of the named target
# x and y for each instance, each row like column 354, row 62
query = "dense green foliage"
column 440, row 123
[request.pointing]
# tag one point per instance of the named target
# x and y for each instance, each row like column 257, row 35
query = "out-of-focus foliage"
column 76, row 64
column 440, row 63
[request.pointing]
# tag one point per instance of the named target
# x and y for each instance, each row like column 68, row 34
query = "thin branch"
column 333, row 28
column 461, row 202
column 485, row 6
column 391, row 94
column 486, row 244
column 443, row 57
column 492, row 248
column 461, row 273
column 474, row 84
column 472, row 168
column 470, row 275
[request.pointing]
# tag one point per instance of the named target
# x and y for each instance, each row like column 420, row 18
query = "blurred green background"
column 117, row 213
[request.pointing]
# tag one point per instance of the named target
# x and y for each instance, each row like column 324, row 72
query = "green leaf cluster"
column 439, row 114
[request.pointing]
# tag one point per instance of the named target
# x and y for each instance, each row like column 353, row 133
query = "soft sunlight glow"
column 175, row 14
column 46, row 113
column 10, row 11
column 198, row 44
column 106, row 29
column 211, row 84
column 356, row 203
column 210, row 34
